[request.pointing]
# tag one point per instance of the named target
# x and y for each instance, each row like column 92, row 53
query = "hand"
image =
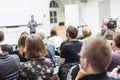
column 33, row 24
column 114, row 73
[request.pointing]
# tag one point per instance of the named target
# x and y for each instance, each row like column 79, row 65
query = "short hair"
column 111, row 25
column 1, row 36
column 41, row 34
column 116, row 39
column 53, row 32
column 7, row 48
column 72, row 31
column 98, row 53
column 35, row 47
column 32, row 15
column 86, row 32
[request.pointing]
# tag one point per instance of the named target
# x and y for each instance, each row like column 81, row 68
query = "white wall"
column 71, row 15
column 18, row 12
column 115, row 8
column 104, row 10
column 90, row 15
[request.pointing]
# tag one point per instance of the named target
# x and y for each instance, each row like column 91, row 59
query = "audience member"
column 86, row 33
column 116, row 54
column 21, row 47
column 38, row 67
column 110, row 31
column 70, row 50
column 55, row 39
column 1, row 36
column 95, row 59
column 9, row 64
column 7, row 48
column 103, row 28
column 47, row 43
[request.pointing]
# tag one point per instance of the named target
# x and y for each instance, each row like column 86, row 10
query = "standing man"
column 32, row 24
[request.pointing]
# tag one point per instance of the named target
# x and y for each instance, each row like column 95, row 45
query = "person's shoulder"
column 110, row 78
column 14, row 56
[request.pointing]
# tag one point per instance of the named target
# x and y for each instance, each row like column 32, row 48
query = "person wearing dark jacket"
column 9, row 64
column 95, row 59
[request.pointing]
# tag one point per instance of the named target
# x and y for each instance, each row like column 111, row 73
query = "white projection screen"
column 17, row 12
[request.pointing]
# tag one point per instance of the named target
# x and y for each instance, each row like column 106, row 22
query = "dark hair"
column 116, row 39
column 32, row 15
column 111, row 25
column 98, row 53
column 72, row 31
column 35, row 47
column 1, row 36
column 53, row 32
column 7, row 48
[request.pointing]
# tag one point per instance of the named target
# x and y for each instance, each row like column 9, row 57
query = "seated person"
column 95, row 59
column 9, row 64
column 21, row 47
column 70, row 49
column 38, row 67
column 49, row 46
column 110, row 31
column 116, row 54
column 86, row 33
column 7, row 48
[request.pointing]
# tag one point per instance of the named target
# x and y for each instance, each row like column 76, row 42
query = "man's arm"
column 29, row 24
column 35, row 25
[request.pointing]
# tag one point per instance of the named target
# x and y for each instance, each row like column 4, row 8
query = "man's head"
column 72, row 32
column 32, row 17
column 95, row 55
column 116, row 40
column 1, row 36
column 53, row 33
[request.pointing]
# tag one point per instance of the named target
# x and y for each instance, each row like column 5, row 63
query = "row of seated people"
column 36, row 66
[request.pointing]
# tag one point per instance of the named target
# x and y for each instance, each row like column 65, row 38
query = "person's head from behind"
column 1, row 36
column 24, row 33
column 41, row 34
column 53, row 33
column 7, row 48
column 95, row 55
column 86, row 32
column 35, row 47
column 21, row 42
column 111, row 25
column 116, row 41
column 72, row 32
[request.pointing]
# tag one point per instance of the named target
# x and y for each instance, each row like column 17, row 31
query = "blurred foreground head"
column 95, row 54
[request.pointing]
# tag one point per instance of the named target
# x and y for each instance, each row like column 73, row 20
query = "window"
column 53, row 12
column 53, row 4
column 53, row 16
